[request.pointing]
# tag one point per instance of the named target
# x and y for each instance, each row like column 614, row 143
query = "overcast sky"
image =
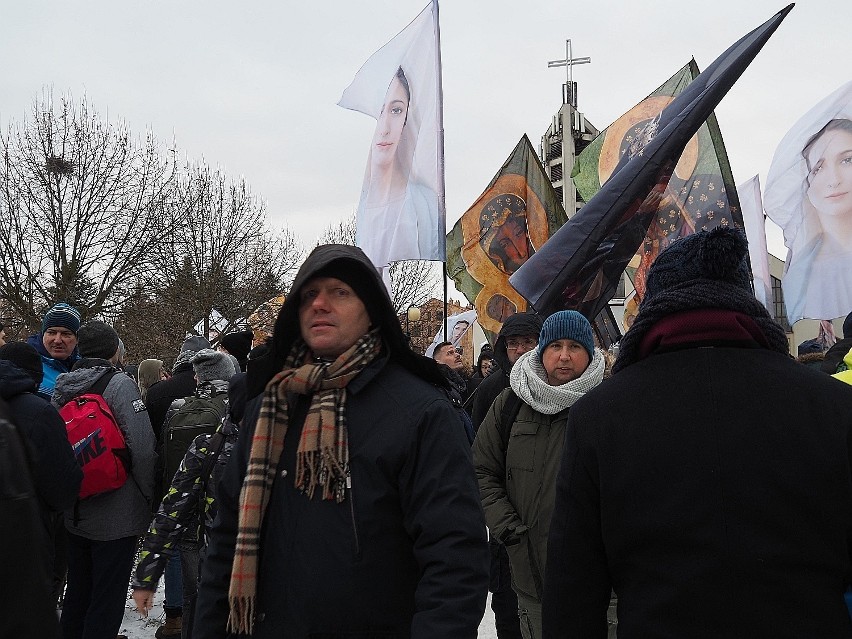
column 252, row 87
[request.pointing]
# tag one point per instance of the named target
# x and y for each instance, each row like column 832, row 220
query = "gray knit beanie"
column 567, row 325
column 209, row 365
column 97, row 339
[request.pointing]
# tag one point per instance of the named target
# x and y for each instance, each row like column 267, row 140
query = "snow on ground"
column 135, row 627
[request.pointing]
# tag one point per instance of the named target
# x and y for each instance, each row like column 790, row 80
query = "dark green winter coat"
column 517, row 486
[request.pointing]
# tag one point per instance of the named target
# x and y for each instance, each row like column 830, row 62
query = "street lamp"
column 412, row 314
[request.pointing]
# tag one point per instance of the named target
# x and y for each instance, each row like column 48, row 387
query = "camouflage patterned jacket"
column 188, row 508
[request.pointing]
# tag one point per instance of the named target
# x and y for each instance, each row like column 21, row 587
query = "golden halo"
column 645, row 110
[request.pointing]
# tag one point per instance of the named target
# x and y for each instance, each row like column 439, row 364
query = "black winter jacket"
column 161, row 395
column 55, row 472
column 711, row 488
column 405, row 554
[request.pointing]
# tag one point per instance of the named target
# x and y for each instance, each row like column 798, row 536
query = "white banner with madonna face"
column 809, row 195
column 400, row 216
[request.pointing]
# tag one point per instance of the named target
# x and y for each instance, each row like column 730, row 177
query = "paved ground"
column 135, row 627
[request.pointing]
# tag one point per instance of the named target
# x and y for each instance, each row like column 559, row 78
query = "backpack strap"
column 99, row 386
column 508, row 415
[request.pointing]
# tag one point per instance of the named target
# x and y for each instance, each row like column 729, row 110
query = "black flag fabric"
column 580, row 265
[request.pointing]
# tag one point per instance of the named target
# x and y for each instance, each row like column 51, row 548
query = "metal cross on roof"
column 569, row 62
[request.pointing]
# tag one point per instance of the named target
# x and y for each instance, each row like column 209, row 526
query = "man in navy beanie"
column 57, row 344
column 708, row 481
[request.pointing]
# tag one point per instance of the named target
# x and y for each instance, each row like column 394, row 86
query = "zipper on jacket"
column 352, row 514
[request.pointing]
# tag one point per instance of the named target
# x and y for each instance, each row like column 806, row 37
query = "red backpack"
column 97, row 440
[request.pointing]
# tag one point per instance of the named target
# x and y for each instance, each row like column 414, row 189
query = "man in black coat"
column 709, row 481
column 352, row 480
column 181, row 384
column 55, row 472
column 521, row 329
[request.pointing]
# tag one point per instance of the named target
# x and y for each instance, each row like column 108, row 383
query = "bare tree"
column 414, row 282
column 81, row 206
column 223, row 256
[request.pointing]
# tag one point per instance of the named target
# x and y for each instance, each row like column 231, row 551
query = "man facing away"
column 351, row 480
column 709, row 481
column 103, row 528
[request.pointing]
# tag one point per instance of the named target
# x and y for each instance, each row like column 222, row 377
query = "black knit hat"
column 847, row 326
column 361, row 282
column 719, row 254
column 238, row 345
column 97, row 339
column 24, row 357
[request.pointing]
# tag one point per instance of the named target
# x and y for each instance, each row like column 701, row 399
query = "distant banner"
column 511, row 220
column 400, row 213
column 700, row 194
column 458, row 325
column 580, row 266
column 809, row 194
column 755, row 227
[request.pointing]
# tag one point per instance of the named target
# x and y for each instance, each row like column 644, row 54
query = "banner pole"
column 445, row 302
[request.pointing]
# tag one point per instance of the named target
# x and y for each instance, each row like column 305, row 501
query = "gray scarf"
column 529, row 381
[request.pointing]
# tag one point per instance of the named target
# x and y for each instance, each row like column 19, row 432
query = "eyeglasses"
column 513, row 344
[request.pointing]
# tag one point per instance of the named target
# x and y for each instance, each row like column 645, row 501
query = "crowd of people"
column 330, row 482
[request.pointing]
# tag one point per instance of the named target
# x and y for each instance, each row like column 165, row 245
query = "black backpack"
column 197, row 416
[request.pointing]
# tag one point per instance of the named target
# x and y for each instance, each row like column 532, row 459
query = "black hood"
column 514, row 325
column 14, row 381
column 379, row 307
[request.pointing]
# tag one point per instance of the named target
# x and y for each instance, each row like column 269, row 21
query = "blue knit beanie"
column 63, row 315
column 567, row 325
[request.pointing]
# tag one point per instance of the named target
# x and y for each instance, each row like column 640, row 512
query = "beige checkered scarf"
column 322, row 459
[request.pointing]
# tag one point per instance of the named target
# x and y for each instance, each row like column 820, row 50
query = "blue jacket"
column 52, row 368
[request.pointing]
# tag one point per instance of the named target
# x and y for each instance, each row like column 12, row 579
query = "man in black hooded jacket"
column 55, row 472
column 522, row 330
column 349, row 507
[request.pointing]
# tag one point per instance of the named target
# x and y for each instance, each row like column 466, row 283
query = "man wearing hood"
column 351, row 478
column 103, row 528
column 55, row 472
column 518, row 335
column 56, row 344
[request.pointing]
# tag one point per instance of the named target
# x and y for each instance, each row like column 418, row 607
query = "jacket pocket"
column 520, row 453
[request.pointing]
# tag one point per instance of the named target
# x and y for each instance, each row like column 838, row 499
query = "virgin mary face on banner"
column 397, row 216
column 829, row 182
column 809, row 194
column 390, row 165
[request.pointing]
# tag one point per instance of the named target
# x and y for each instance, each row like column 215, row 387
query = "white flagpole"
column 442, row 199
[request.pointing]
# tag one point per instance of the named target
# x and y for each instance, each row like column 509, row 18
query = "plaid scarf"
column 322, row 459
